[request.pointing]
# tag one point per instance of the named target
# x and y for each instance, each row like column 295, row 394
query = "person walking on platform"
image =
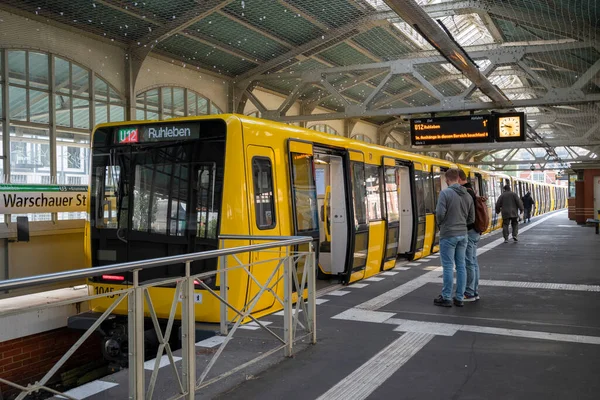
column 473, row 236
column 511, row 205
column 454, row 211
column 528, row 204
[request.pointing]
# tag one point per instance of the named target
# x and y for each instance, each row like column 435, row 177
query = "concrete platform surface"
column 535, row 333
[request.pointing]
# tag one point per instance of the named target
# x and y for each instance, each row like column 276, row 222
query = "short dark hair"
column 462, row 175
column 507, row 187
column 452, row 174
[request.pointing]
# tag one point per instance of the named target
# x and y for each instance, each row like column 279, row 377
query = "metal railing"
column 286, row 259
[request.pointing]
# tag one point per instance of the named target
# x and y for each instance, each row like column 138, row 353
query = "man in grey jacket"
column 510, row 204
column 454, row 211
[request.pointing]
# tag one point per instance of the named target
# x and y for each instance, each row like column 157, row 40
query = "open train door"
column 400, row 208
column 359, row 230
column 304, row 194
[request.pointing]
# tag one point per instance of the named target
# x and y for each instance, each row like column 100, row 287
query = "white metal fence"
column 298, row 276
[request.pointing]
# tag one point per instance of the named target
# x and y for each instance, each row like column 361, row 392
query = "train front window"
column 153, row 198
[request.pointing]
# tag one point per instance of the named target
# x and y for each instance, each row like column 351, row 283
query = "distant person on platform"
column 529, row 205
column 510, row 205
column 454, row 211
column 473, row 236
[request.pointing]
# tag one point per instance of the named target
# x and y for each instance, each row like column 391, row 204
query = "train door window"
column 428, row 192
column 373, row 188
column 359, row 193
column 485, row 189
column 437, row 188
column 264, row 204
column 421, row 210
column 408, row 225
column 391, row 194
column 476, row 183
column 304, row 190
column 391, row 176
column 359, row 197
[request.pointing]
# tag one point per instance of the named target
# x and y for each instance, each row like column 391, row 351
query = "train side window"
column 374, row 206
column 264, row 204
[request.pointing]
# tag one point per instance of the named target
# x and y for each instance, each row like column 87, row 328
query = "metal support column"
column 135, row 321
column 5, row 118
column 288, row 332
column 312, row 293
column 223, row 285
column 188, row 334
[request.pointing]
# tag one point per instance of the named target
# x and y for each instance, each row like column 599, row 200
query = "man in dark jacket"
column 510, row 204
column 473, row 236
column 454, row 211
column 528, row 204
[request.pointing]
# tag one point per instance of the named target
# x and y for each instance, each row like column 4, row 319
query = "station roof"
column 382, row 61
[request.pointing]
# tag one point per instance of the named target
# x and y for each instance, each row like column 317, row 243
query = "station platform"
column 534, row 334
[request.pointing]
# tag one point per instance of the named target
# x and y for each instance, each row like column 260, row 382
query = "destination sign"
column 449, row 130
column 158, row 132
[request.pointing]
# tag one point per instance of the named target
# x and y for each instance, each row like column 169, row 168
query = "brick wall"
column 27, row 359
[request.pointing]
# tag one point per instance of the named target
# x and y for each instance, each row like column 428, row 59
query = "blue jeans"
column 472, row 264
column 452, row 251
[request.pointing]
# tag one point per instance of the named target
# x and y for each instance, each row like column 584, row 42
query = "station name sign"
column 448, row 130
column 25, row 199
column 157, row 133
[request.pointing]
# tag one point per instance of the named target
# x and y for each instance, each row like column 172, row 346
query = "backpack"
column 481, row 214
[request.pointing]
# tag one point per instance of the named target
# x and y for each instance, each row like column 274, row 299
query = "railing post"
column 288, row 332
column 188, row 334
column 135, row 322
column 224, row 290
column 310, row 263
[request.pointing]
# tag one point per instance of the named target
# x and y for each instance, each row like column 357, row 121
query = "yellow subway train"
column 161, row 188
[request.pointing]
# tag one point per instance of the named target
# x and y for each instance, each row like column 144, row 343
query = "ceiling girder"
column 517, row 14
column 414, row 15
column 331, row 38
column 449, row 104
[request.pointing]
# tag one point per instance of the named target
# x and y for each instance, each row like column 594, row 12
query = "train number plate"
column 197, row 297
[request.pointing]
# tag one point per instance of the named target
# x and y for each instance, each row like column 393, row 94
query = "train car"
column 161, row 188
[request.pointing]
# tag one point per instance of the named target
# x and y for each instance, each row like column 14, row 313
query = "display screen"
column 449, row 130
column 157, row 133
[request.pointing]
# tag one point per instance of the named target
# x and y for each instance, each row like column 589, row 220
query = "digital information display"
column 157, row 133
column 448, row 130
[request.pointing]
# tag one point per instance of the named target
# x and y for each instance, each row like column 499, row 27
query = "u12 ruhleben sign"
column 24, row 199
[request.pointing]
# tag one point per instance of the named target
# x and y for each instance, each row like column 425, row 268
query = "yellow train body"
column 399, row 211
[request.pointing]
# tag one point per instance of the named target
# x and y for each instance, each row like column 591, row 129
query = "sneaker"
column 469, row 298
column 515, row 239
column 457, row 303
column 477, row 295
column 440, row 301
column 505, row 240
